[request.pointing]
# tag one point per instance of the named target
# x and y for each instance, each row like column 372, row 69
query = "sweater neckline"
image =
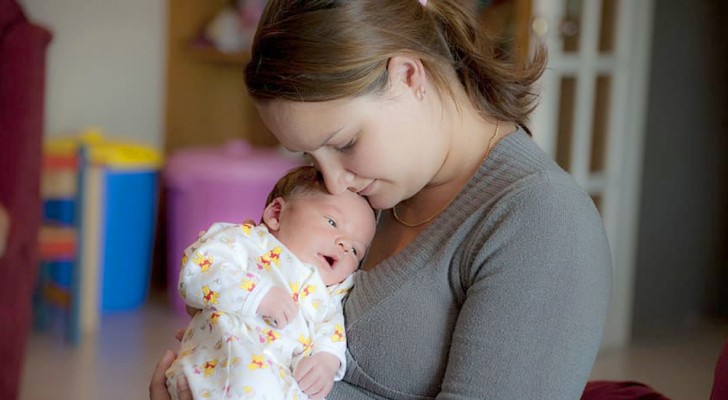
column 398, row 268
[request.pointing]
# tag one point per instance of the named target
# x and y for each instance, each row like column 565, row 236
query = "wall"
column 106, row 64
column 679, row 238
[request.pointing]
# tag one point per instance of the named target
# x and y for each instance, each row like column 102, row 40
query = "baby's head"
column 332, row 232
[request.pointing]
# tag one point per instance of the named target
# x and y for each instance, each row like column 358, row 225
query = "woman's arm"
column 536, row 301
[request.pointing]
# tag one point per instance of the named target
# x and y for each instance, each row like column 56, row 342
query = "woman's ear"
column 407, row 71
column 272, row 213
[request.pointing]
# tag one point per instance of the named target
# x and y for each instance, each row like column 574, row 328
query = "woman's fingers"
column 183, row 389
column 157, row 386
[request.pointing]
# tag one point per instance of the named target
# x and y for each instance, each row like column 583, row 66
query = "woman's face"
column 386, row 149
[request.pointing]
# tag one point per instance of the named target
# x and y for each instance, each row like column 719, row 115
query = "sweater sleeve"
column 537, row 285
column 216, row 271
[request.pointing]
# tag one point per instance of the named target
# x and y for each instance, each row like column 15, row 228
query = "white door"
column 591, row 119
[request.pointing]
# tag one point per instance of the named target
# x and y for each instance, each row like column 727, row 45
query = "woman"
column 489, row 274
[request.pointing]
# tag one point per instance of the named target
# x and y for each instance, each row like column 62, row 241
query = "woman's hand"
column 158, row 387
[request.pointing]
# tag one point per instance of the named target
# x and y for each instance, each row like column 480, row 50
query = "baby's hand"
column 315, row 374
column 278, row 305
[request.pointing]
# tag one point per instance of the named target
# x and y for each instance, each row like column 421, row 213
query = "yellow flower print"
column 271, row 257
column 208, row 368
column 214, row 317
column 232, row 362
column 209, row 297
column 271, row 335
column 307, row 345
column 307, row 291
column 338, row 335
column 247, row 228
column 258, row 362
column 202, row 261
column 249, row 282
column 294, row 290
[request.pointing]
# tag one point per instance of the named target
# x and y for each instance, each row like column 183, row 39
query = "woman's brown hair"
column 320, row 50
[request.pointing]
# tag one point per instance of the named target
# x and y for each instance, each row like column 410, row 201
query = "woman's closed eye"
column 346, row 147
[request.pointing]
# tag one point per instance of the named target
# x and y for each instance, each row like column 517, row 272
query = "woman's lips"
column 367, row 189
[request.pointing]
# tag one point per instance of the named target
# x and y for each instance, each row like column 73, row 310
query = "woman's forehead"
column 304, row 126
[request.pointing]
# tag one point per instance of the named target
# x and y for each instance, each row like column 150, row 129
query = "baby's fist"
column 315, row 374
column 278, row 305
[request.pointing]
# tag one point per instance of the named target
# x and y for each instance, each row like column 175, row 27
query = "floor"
column 117, row 363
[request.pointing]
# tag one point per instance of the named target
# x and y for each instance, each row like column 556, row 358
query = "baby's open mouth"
column 329, row 260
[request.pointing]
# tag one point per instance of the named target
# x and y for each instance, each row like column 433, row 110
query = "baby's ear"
column 272, row 213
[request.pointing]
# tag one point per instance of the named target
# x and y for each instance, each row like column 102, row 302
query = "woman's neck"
column 471, row 139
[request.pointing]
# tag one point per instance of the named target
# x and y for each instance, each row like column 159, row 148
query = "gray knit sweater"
column 503, row 296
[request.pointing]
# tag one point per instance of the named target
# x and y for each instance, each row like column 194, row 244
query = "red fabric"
column 720, row 378
column 22, row 77
column 620, row 390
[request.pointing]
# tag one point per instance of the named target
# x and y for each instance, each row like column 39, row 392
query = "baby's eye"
column 331, row 222
column 355, row 251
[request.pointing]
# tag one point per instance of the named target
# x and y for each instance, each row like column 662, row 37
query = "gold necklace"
column 415, row 225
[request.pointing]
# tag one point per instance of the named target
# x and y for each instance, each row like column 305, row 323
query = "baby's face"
column 332, row 232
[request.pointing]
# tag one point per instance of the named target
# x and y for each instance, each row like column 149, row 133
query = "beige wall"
column 105, row 66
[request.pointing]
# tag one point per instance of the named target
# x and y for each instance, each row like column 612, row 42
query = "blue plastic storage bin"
column 115, row 218
column 130, row 213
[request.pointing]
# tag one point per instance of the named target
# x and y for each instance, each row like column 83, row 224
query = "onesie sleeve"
column 537, row 282
column 219, row 273
column 330, row 335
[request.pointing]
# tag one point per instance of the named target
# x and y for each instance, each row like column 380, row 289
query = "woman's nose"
column 336, row 178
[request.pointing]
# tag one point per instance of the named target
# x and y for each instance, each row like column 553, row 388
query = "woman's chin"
column 379, row 203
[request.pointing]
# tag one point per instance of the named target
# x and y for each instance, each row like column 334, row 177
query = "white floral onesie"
column 229, row 352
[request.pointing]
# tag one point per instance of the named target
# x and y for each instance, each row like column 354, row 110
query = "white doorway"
column 591, row 119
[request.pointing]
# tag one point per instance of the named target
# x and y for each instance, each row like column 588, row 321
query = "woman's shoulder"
column 516, row 167
column 536, row 217
column 520, row 188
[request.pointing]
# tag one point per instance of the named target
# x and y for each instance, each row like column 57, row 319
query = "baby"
column 271, row 324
